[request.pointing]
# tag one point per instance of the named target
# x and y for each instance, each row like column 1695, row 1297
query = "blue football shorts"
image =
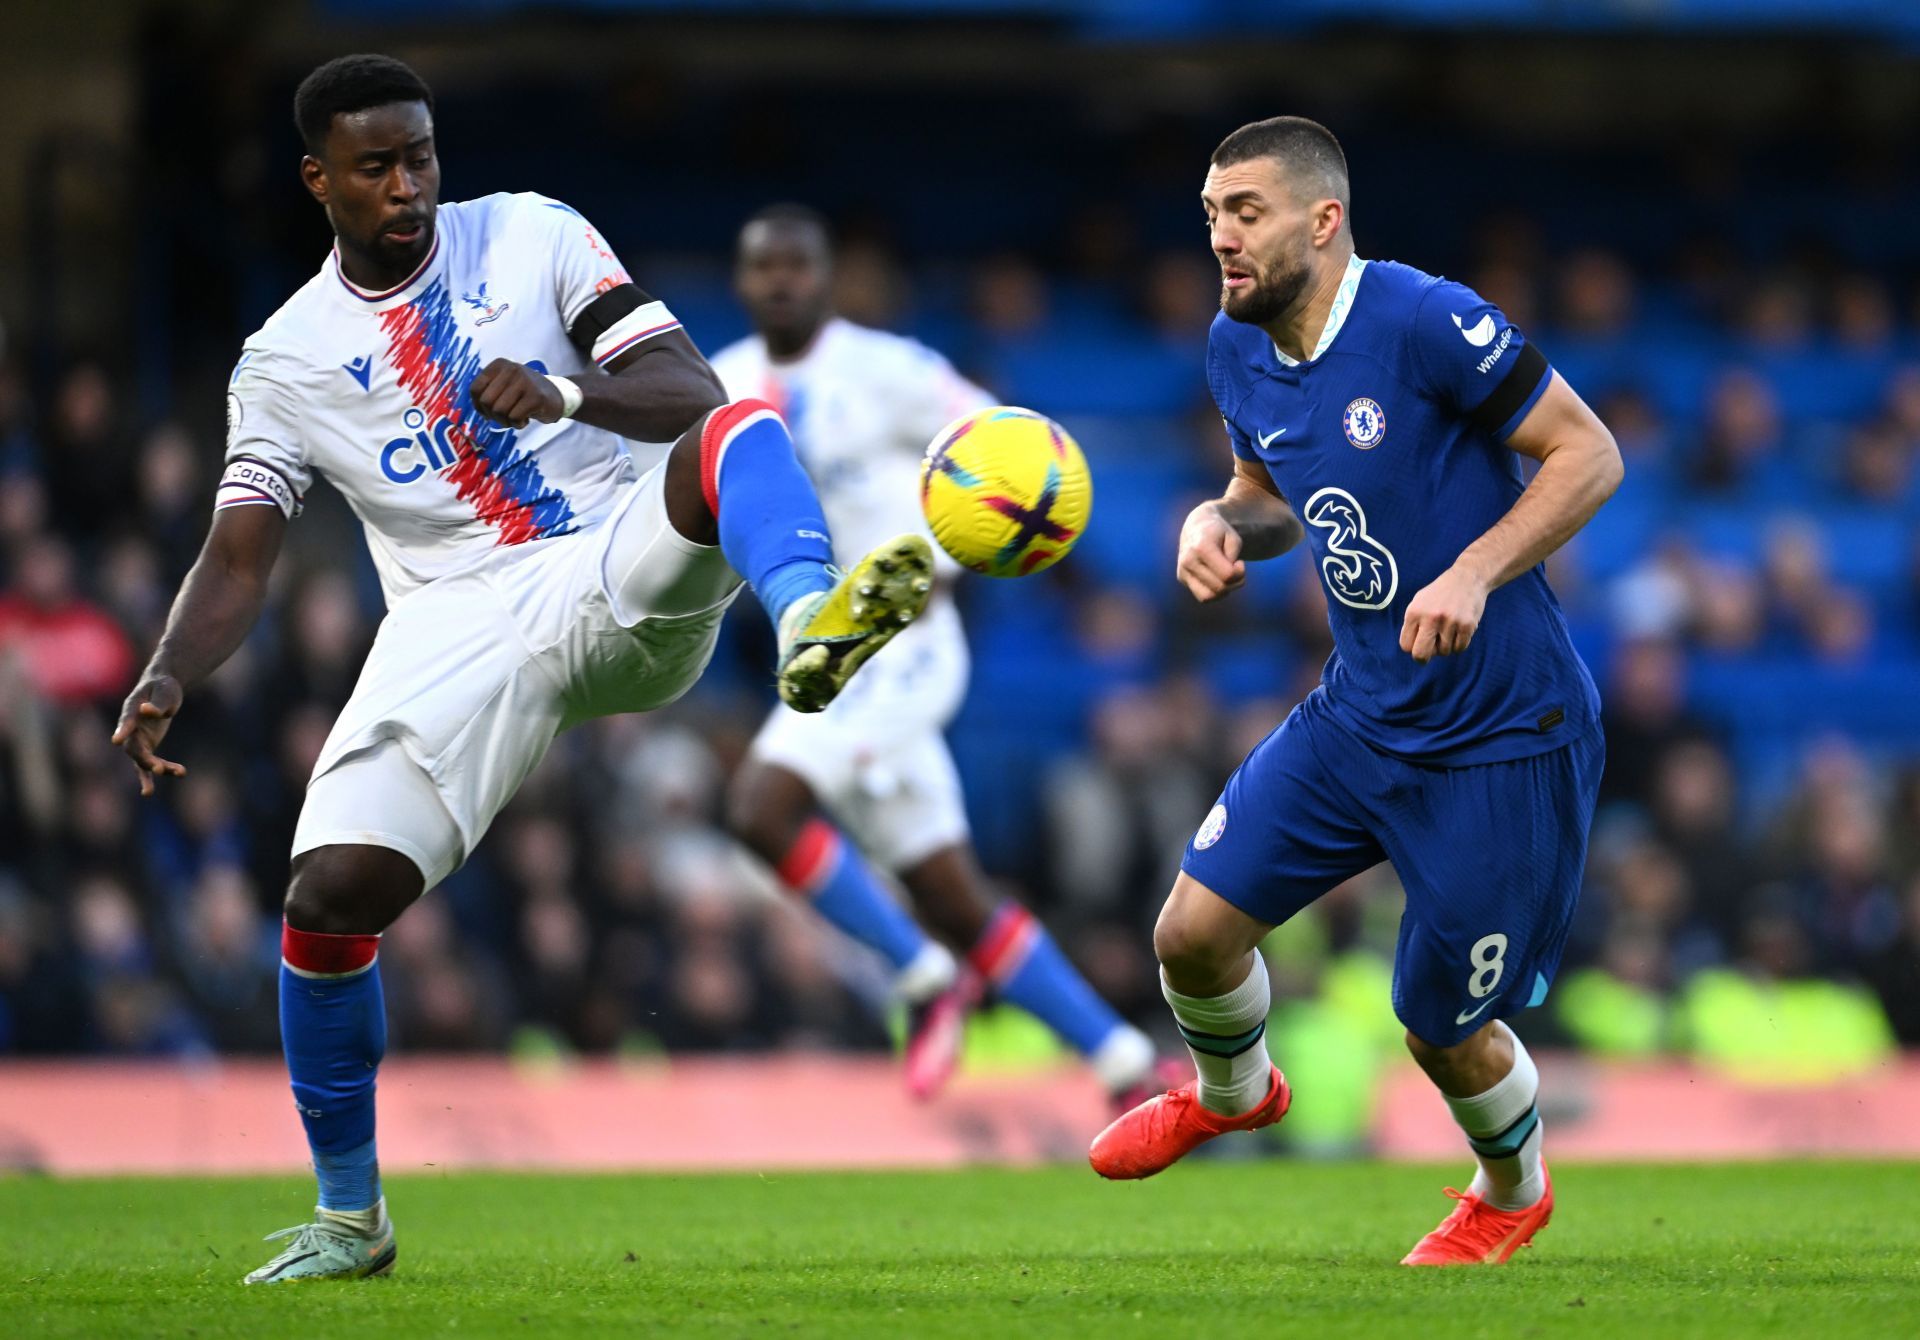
column 1491, row 857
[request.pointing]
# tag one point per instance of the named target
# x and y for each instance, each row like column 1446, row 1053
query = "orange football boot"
column 1163, row 1130
column 1476, row 1234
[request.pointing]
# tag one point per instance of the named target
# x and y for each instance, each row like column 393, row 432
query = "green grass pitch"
column 1799, row 1249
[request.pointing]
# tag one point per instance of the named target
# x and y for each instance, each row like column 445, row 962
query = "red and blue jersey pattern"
column 435, row 363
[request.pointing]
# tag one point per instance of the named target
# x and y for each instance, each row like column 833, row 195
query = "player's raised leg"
column 733, row 479
column 775, row 813
column 1014, row 958
column 1216, row 983
column 333, row 1029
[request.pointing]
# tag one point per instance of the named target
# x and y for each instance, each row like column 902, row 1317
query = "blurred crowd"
column 1750, row 605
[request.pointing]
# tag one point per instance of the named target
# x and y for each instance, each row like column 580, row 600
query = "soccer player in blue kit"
column 1380, row 413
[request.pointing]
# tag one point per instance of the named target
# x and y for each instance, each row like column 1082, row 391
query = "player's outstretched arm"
column 1249, row 523
column 653, row 393
column 216, row 608
column 1580, row 467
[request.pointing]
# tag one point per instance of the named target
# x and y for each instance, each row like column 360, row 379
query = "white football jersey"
column 371, row 391
column 862, row 405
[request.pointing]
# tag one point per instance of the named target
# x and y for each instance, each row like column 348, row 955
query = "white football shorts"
column 877, row 758
column 471, row 677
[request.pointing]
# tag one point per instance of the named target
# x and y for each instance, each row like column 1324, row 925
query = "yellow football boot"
column 827, row 636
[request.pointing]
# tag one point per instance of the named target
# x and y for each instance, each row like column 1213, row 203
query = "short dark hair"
column 793, row 215
column 1306, row 149
column 348, row 84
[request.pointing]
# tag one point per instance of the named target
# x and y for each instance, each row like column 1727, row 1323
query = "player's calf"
column 333, row 1030
column 734, row 477
column 754, row 497
column 1215, row 982
column 1492, row 1088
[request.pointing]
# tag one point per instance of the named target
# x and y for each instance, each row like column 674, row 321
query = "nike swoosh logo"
column 1266, row 439
column 294, row 1262
column 1465, row 1015
column 1480, row 335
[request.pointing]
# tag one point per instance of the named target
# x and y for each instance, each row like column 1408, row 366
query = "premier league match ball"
column 1005, row 491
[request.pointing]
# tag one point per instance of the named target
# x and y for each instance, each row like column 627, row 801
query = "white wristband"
column 570, row 395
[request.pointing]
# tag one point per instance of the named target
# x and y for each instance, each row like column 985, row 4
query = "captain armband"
column 250, row 482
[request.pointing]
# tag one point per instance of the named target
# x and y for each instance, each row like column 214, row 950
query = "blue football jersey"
column 1389, row 442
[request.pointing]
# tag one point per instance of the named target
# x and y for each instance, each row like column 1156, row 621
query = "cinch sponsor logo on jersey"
column 1360, row 570
column 435, row 365
column 405, row 459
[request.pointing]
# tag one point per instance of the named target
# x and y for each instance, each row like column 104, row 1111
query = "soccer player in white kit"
column 467, row 377
column 862, row 405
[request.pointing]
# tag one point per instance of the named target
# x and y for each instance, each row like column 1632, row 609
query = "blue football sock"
column 1020, row 961
column 771, row 526
column 333, row 1028
column 825, row 868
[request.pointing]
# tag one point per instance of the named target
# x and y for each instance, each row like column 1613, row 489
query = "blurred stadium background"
column 1704, row 211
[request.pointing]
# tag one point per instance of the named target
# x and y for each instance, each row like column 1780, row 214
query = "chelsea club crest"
column 1364, row 423
column 1211, row 829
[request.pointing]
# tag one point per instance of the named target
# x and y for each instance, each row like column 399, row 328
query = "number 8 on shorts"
column 1489, row 960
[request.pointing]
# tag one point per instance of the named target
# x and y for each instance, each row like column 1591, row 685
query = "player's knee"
column 1425, row 1052
column 688, row 510
column 350, row 890
column 1185, row 948
column 752, row 821
column 738, row 811
column 1464, row 1067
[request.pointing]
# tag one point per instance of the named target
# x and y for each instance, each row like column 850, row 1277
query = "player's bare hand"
column 1209, row 564
column 144, row 720
column 1443, row 615
column 514, row 394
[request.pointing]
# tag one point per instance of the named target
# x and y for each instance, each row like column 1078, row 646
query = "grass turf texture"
column 1795, row 1249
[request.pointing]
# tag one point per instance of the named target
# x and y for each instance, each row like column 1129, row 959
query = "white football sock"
column 1503, row 1126
column 1227, row 1036
column 926, row 975
column 1124, row 1059
column 367, row 1223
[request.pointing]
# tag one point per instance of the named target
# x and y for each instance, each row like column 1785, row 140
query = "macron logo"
column 361, row 369
column 1479, row 335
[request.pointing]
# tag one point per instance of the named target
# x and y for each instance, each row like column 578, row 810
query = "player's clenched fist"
column 1209, row 564
column 1443, row 616
column 144, row 719
column 514, row 394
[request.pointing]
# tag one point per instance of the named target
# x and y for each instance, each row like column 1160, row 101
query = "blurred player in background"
column 1456, row 732
column 467, row 377
column 863, row 405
